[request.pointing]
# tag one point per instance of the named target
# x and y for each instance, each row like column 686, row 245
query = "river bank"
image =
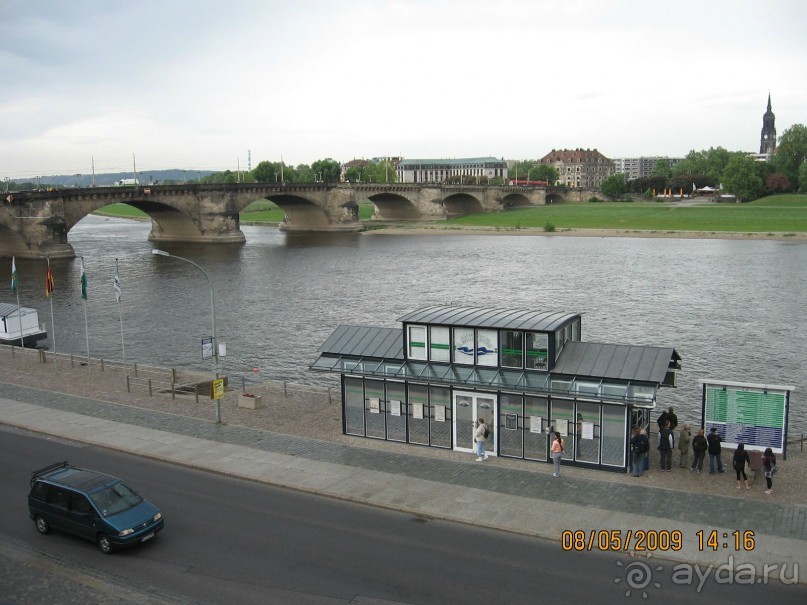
column 435, row 229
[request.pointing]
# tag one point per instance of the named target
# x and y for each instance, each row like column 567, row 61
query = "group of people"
column 699, row 446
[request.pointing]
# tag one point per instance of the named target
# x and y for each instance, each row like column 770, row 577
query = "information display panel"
column 752, row 414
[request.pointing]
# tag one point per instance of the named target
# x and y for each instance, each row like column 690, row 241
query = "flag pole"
column 49, row 292
column 15, row 284
column 118, row 293
column 86, row 325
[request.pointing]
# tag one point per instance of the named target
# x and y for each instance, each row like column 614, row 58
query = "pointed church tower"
column 767, row 142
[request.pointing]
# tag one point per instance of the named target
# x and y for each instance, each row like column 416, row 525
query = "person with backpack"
column 666, row 443
column 715, row 460
column 739, row 461
column 769, row 466
column 699, row 447
column 480, row 436
column 640, row 445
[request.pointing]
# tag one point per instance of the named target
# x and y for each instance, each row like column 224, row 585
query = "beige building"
column 585, row 168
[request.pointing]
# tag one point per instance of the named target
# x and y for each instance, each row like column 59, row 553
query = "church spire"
column 767, row 141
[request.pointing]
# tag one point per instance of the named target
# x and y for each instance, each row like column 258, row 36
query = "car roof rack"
column 48, row 469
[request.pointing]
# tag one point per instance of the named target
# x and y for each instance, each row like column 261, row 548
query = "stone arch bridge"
column 35, row 224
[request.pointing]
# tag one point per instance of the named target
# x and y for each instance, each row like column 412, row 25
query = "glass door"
column 468, row 407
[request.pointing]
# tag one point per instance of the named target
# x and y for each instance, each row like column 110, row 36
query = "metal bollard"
column 285, row 392
column 329, row 396
column 135, row 370
column 173, row 374
column 173, row 392
column 128, row 385
column 149, row 387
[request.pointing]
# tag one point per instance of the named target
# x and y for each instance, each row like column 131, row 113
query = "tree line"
column 733, row 172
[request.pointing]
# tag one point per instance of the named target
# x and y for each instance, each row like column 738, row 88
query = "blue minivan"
column 92, row 505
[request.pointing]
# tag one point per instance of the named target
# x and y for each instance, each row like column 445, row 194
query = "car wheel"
column 104, row 544
column 42, row 526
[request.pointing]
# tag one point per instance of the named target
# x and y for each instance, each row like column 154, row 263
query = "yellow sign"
column 217, row 389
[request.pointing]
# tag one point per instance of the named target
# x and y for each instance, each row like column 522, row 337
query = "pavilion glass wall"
column 396, row 406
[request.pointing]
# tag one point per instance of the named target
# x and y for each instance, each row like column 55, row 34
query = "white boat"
column 20, row 324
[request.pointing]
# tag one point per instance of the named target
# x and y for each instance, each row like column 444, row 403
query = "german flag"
column 48, row 281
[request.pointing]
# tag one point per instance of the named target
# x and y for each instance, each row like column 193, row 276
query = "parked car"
column 92, row 505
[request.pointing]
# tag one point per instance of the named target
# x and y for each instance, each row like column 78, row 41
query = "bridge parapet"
column 36, row 223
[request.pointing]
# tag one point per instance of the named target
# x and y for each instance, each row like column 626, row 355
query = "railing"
column 157, row 380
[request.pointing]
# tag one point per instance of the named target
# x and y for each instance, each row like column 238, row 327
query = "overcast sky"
column 195, row 84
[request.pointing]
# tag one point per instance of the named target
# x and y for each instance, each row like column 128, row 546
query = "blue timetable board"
column 752, row 414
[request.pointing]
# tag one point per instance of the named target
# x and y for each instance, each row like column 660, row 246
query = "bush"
column 594, row 200
column 549, row 227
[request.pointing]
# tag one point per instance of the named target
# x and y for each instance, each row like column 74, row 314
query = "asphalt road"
column 232, row 541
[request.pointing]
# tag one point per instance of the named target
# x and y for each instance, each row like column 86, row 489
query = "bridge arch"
column 301, row 212
column 460, row 204
column 515, row 200
column 554, row 198
column 393, row 206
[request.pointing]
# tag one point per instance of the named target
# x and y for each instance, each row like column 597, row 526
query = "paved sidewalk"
column 491, row 494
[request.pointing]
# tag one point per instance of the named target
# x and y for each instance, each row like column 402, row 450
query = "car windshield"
column 115, row 499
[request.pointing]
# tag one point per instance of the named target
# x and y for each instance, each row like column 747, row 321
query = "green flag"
column 13, row 275
column 83, row 281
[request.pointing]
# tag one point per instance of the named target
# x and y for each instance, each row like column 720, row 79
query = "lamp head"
column 160, row 252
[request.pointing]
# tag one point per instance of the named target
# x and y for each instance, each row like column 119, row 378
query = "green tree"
column 614, row 186
column 544, row 172
column 329, row 169
column 304, row 173
column 380, row 172
column 520, row 170
column 266, row 172
column 792, row 152
column 742, row 179
column 803, row 177
column 710, row 162
column 662, row 168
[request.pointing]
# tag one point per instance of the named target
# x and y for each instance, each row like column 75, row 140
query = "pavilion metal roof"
column 619, row 362
column 479, row 317
column 364, row 341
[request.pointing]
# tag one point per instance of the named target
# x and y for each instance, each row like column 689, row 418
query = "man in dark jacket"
column 715, row 461
column 666, row 443
column 640, row 445
column 699, row 446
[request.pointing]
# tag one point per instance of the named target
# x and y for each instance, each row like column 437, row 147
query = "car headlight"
column 157, row 517
column 125, row 532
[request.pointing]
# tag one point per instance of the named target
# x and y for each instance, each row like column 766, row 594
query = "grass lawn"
column 772, row 214
column 787, row 213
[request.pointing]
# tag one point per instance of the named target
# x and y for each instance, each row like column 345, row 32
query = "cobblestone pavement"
column 311, row 412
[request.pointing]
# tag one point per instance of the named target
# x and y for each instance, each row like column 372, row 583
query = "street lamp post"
column 212, row 315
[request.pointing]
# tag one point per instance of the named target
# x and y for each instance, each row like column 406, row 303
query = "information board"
column 752, row 414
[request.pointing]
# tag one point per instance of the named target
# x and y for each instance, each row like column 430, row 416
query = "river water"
column 734, row 309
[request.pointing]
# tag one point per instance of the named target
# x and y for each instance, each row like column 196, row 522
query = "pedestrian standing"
column 684, row 445
column 480, row 436
column 738, row 462
column 666, row 442
column 715, row 459
column 640, row 446
column 769, row 465
column 699, row 447
column 672, row 418
column 558, row 446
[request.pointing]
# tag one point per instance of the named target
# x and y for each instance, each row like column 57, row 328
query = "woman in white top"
column 479, row 440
